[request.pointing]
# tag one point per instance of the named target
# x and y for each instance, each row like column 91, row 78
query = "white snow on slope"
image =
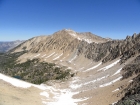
column 50, row 55
column 98, row 79
column 69, row 68
column 93, row 67
column 117, row 72
column 15, row 82
column 36, row 55
column 64, row 98
column 109, row 66
column 88, row 40
column 61, row 96
column 44, row 94
column 115, row 90
column 75, row 86
column 73, row 34
column 43, row 55
column 113, row 103
column 58, row 57
column 55, row 55
column 73, row 58
column 109, row 83
column 19, row 83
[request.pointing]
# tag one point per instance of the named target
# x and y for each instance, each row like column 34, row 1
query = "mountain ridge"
column 102, row 69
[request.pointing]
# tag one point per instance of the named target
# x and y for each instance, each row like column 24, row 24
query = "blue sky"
column 24, row 19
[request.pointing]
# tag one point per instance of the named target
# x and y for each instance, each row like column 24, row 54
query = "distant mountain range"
column 7, row 45
column 83, row 66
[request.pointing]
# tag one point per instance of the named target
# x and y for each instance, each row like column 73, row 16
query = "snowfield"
column 109, row 66
column 54, row 95
column 61, row 96
column 93, row 67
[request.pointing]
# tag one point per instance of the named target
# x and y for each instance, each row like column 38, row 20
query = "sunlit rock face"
column 103, row 69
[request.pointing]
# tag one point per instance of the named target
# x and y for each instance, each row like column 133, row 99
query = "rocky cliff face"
column 132, row 92
column 99, row 63
column 112, row 49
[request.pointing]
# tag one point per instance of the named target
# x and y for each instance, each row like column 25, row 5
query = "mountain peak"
column 84, row 36
column 70, row 32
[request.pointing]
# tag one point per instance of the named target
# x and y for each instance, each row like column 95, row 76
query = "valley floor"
column 100, row 86
column 11, row 95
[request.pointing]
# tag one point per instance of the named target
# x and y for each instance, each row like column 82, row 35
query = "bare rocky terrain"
column 101, row 71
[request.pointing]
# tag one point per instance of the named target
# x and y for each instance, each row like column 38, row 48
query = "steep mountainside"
column 96, row 71
column 5, row 46
column 62, row 40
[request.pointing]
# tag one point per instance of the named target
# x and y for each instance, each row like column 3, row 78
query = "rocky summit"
column 73, row 68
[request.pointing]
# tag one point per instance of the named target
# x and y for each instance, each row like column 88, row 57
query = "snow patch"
column 75, row 86
column 58, row 57
column 98, row 79
column 61, row 96
column 15, row 82
column 73, row 34
column 20, row 83
column 41, row 86
column 109, row 83
column 55, row 55
column 116, row 90
column 73, row 58
column 43, row 55
column 109, row 66
column 50, row 55
column 69, row 68
column 44, row 94
column 36, row 55
column 65, row 98
column 93, row 67
column 88, row 40
column 117, row 72
column 113, row 103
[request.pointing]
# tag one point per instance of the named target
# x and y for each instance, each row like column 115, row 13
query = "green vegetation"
column 32, row 71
